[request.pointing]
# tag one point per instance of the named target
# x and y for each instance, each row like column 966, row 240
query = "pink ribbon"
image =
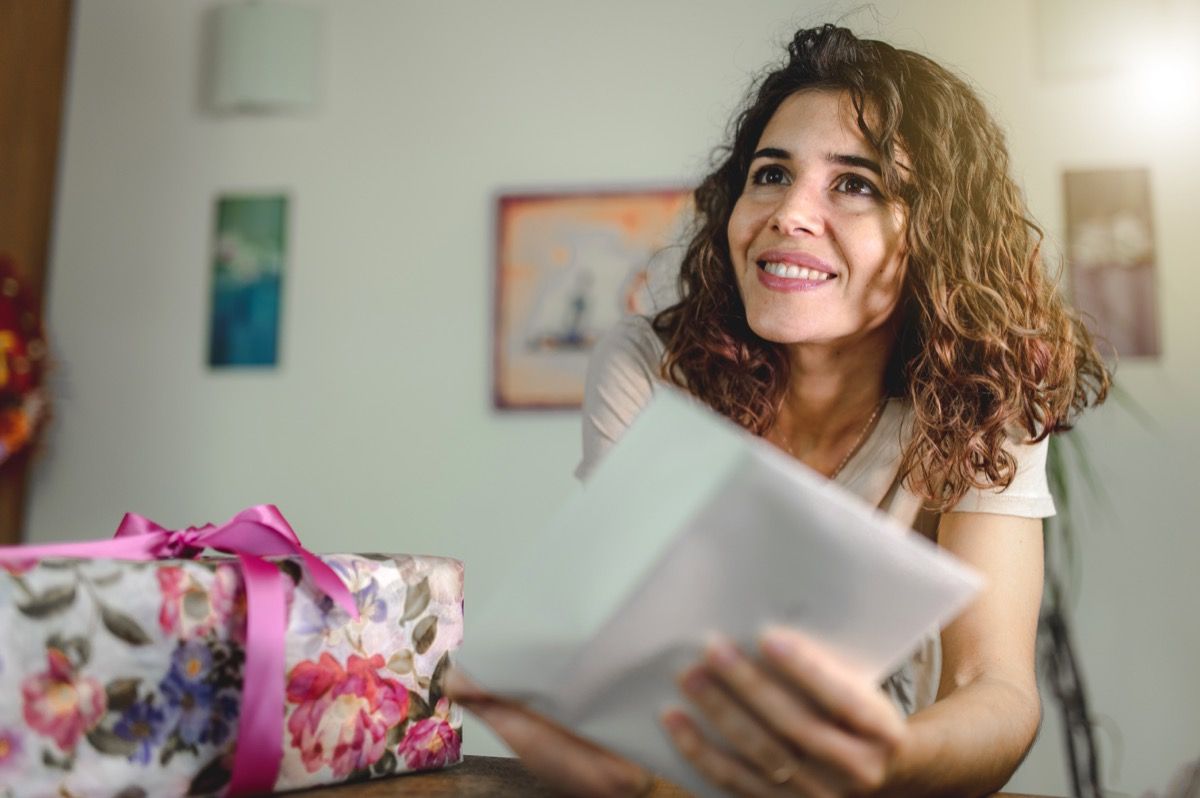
column 252, row 534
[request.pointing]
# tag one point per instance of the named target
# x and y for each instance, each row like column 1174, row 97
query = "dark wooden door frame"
column 34, row 50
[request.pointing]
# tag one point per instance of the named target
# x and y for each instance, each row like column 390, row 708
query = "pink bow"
column 256, row 532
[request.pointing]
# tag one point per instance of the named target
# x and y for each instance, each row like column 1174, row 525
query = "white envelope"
column 691, row 525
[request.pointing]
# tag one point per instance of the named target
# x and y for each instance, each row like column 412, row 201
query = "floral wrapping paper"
column 122, row 678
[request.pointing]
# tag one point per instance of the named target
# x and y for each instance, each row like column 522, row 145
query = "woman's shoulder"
column 625, row 360
column 1028, row 495
column 622, row 374
column 631, row 338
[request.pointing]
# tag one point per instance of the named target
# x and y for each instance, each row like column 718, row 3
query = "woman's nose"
column 799, row 211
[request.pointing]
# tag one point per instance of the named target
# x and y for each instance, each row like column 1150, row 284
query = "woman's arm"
column 987, row 713
column 803, row 721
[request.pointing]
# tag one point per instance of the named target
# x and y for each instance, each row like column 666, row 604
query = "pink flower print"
column 228, row 601
column 61, row 704
column 343, row 716
column 432, row 742
column 173, row 584
column 10, row 748
column 17, row 567
column 189, row 611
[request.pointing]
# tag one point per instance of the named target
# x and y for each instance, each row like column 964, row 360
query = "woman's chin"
column 784, row 331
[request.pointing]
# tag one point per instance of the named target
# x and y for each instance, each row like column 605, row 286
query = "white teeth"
column 795, row 272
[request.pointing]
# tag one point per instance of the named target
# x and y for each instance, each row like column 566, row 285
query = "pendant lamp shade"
column 265, row 56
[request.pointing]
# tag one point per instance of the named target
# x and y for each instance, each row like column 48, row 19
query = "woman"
column 864, row 290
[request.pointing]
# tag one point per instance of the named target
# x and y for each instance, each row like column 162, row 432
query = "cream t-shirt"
column 622, row 377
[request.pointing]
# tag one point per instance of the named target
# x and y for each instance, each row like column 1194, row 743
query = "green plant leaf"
column 1083, row 462
column 1133, row 407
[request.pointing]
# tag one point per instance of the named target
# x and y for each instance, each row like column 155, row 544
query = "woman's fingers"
column 459, row 688
column 837, row 689
column 846, row 759
column 733, row 775
column 745, row 732
column 560, row 759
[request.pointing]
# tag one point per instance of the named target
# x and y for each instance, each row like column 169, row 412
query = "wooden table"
column 476, row 777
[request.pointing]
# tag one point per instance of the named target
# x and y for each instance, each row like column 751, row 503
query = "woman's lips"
column 793, row 271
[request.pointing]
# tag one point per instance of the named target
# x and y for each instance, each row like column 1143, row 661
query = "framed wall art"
column 1111, row 252
column 249, row 253
column 568, row 265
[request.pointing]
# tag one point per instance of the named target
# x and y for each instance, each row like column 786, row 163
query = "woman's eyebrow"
column 837, row 158
column 772, row 152
column 855, row 160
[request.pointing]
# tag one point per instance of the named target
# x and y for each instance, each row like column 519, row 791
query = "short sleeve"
column 621, row 377
column 1027, row 496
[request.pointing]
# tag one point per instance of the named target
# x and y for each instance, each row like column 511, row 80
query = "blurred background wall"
column 376, row 432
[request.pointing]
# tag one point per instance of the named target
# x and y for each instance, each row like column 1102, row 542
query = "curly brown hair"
column 986, row 345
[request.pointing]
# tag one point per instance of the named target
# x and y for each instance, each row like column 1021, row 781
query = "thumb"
column 459, row 688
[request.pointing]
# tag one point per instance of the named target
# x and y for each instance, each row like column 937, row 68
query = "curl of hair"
column 986, row 348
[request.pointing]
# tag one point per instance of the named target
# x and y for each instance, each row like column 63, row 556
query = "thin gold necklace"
column 862, row 435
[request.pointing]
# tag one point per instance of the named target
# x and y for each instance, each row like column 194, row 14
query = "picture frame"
column 1112, row 257
column 568, row 265
column 249, row 255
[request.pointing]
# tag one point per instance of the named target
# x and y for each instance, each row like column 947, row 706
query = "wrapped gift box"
column 123, row 678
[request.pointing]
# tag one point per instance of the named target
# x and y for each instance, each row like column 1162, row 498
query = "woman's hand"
column 800, row 722
column 564, row 762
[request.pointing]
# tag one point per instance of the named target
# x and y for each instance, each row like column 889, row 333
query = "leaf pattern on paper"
column 49, row 602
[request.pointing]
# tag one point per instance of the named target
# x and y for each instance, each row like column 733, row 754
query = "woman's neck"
column 833, row 392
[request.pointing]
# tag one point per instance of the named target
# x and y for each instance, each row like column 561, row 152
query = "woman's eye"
column 854, row 184
column 769, row 175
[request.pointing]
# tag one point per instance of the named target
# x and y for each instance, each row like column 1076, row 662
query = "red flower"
column 432, row 742
column 343, row 716
column 61, row 704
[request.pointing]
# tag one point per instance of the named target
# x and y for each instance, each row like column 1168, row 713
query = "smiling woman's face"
column 817, row 250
